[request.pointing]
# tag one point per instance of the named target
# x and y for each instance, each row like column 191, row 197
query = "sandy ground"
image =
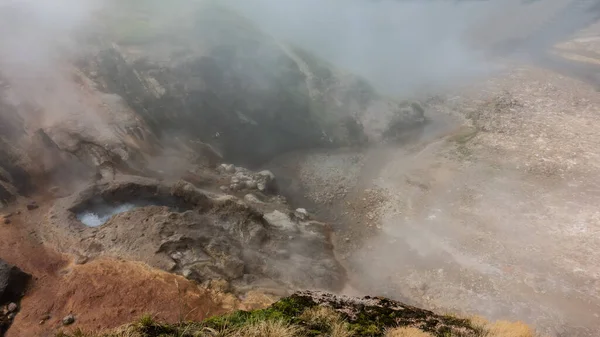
column 495, row 214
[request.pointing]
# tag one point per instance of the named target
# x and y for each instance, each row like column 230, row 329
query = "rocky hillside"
column 196, row 82
column 206, row 73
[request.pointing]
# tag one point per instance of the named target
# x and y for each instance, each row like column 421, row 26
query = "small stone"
column 68, row 320
column 229, row 168
column 187, row 273
column 268, row 174
column 32, row 205
column 251, row 184
column 11, row 316
column 81, row 259
column 301, row 214
column 251, row 198
column 347, row 239
column 224, row 188
column 177, row 255
column 6, row 221
column 12, row 307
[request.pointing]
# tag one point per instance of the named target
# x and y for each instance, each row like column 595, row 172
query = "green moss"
column 287, row 310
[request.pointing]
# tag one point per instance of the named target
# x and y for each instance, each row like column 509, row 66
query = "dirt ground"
column 494, row 211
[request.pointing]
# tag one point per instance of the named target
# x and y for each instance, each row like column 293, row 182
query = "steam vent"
column 271, row 168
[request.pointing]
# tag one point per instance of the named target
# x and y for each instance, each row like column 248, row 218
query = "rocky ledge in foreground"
column 309, row 313
column 13, row 283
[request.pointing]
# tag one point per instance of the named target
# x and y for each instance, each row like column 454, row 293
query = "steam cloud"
column 405, row 46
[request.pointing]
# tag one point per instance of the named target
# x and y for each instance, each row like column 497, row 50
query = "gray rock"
column 32, row 205
column 12, row 307
column 81, row 259
column 265, row 181
column 261, row 186
column 251, row 198
column 280, row 220
column 251, row 184
column 267, row 174
column 301, row 214
column 228, row 168
column 68, row 320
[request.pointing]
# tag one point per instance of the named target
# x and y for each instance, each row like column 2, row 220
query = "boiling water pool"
column 100, row 215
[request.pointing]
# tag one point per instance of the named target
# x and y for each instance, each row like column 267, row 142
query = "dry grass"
column 406, row 332
column 502, row 328
column 266, row 329
column 321, row 320
column 321, row 315
column 509, row 329
column 326, row 316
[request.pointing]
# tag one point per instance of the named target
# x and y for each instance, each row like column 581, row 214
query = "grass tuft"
column 509, row 329
column 407, row 332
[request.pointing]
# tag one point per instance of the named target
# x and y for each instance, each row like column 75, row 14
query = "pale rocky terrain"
column 492, row 211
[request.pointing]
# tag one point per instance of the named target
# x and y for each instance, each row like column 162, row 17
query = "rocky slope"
column 321, row 314
column 129, row 99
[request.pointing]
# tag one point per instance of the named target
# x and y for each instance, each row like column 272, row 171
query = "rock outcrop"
column 13, row 283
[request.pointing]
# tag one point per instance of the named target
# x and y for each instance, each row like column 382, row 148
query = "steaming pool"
column 98, row 212
column 95, row 218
